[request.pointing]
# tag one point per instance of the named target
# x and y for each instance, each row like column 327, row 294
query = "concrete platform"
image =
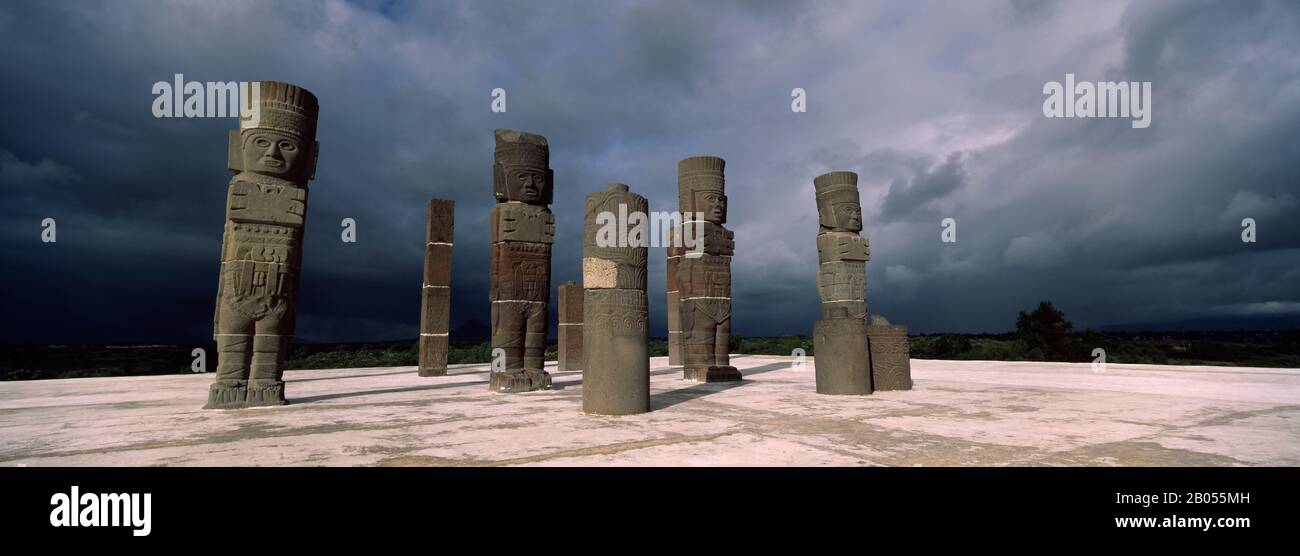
column 960, row 413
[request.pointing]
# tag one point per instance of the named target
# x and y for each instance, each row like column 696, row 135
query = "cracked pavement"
column 961, row 413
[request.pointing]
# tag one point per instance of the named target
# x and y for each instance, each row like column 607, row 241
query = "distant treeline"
column 1245, row 348
column 1043, row 334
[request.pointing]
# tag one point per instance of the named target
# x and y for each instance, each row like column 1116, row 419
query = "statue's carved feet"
column 525, row 380
column 265, row 392
column 227, row 394
column 712, row 373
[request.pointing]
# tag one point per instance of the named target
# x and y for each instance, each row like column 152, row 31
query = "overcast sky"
column 938, row 106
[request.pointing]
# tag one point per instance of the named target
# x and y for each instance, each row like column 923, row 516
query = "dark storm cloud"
column 908, row 196
column 937, row 106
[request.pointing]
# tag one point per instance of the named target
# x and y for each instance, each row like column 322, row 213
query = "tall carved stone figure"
column 523, row 230
column 435, row 295
column 273, row 157
column 569, row 354
column 704, row 275
column 840, row 347
column 616, row 357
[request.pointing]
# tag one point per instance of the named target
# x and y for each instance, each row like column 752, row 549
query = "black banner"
column 269, row 506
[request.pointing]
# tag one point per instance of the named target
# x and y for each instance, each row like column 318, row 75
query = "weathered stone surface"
column 435, row 309
column 570, row 333
column 606, row 273
column 441, row 221
column 842, row 246
column 717, row 239
column 840, row 338
column 846, row 369
column 519, row 330
column 522, row 229
column 843, row 289
column 704, row 276
column 674, row 320
column 1029, row 413
column 437, row 264
column 616, row 368
column 435, row 297
column 513, row 221
column 433, row 355
column 261, row 252
column 521, row 272
column 839, row 208
column 891, row 366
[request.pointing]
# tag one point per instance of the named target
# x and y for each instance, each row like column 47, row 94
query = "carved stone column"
column 840, row 337
column 891, row 364
column 523, row 230
column 273, row 157
column 704, row 274
column 616, row 368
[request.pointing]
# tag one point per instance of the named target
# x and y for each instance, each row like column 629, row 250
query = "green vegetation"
column 1043, row 334
column 388, row 354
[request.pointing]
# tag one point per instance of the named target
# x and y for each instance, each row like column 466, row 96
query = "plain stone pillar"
column 273, row 158
column 616, row 368
column 849, row 372
column 674, row 252
column 435, row 296
column 570, row 334
column 523, row 230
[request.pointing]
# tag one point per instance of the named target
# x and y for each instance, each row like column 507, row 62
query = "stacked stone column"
column 273, row 157
column 435, row 296
column 570, row 334
column 704, row 271
column 523, row 230
column 675, row 252
column 840, row 345
column 616, row 367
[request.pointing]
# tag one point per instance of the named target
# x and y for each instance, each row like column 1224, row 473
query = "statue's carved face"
column 713, row 204
column 848, row 216
column 525, row 184
column 273, row 153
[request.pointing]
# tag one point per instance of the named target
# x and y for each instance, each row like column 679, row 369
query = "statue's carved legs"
column 519, row 329
column 234, row 350
column 535, row 338
column 250, row 362
column 705, row 339
column 722, row 344
column 230, row 388
column 266, row 375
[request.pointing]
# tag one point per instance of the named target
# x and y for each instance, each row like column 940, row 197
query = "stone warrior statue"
column 704, row 276
column 261, row 249
column 523, row 230
column 616, row 357
column 851, row 356
column 840, row 337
